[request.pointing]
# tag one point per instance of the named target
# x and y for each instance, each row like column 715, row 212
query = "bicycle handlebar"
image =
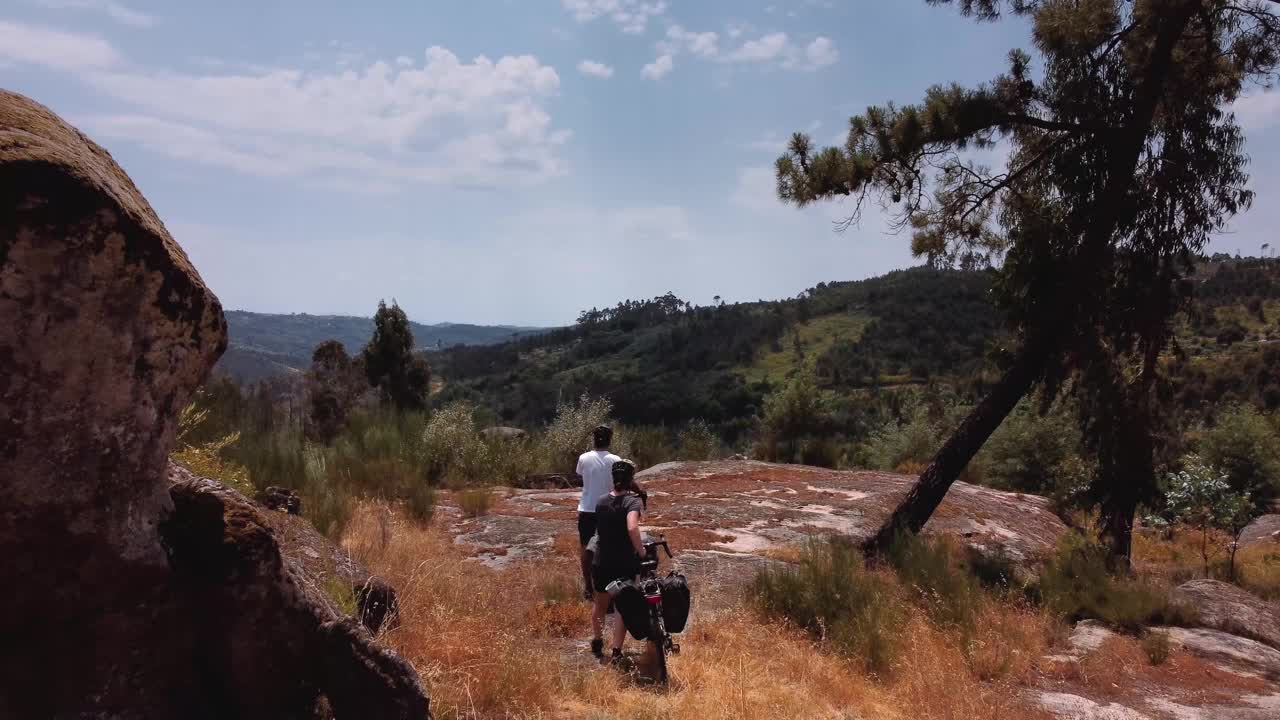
column 651, row 547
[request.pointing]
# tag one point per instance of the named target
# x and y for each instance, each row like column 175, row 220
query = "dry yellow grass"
column 508, row 644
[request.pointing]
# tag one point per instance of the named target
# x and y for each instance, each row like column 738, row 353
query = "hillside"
column 263, row 344
column 664, row 361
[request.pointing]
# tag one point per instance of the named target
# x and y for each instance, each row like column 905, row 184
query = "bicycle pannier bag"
column 676, row 600
column 629, row 601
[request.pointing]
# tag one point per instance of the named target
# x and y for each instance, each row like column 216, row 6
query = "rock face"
column 128, row 596
column 1225, row 607
column 321, row 562
column 1262, row 530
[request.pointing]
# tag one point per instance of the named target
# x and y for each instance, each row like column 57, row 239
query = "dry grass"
column 1172, row 558
column 499, row 644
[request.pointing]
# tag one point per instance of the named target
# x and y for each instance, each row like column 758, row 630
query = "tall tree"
column 332, row 385
column 1123, row 159
column 402, row 376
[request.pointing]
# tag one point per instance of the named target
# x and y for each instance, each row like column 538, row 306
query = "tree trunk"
column 925, row 496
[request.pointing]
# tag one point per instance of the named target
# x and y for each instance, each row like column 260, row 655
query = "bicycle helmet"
column 624, row 474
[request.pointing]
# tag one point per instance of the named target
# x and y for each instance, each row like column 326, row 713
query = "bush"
column 1076, row 584
column 475, row 502
column 949, row 595
column 421, row 501
column 699, row 442
column 569, row 435
column 451, row 450
column 326, row 502
column 1247, row 448
column 649, row 445
column 1033, row 453
column 1156, row 645
column 830, row 594
column 794, row 417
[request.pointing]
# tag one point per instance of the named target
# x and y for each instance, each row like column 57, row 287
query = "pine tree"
column 1124, row 159
column 401, row 376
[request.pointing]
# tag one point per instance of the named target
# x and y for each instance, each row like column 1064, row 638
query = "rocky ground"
column 725, row 519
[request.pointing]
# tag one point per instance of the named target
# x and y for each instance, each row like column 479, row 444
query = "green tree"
column 332, row 387
column 402, row 376
column 1123, row 160
column 1247, row 448
column 1200, row 496
column 795, row 418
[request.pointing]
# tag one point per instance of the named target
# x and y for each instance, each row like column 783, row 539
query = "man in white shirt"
column 596, row 469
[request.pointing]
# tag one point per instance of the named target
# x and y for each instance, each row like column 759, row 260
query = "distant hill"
column 264, row 344
column 663, row 362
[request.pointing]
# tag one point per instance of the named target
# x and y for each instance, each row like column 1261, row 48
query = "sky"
column 506, row 161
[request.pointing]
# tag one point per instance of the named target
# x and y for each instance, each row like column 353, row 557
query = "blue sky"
column 504, row 161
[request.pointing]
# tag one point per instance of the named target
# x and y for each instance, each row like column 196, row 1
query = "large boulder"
column 1265, row 529
column 128, row 595
column 1225, row 607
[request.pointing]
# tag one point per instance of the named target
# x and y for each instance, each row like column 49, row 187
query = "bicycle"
column 659, row 638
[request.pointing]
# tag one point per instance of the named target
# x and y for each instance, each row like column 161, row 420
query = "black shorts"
column 602, row 575
column 586, row 527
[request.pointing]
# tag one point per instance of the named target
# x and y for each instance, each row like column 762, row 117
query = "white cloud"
column 377, row 126
column 769, row 47
column 779, row 48
column 820, row 53
column 114, row 10
column 54, row 49
column 631, row 16
column 658, row 69
column 1258, row 111
column 595, row 69
column 704, row 44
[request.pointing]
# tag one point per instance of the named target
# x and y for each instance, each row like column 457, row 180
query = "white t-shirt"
column 596, row 469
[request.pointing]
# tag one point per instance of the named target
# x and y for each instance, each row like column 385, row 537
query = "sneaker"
column 597, row 648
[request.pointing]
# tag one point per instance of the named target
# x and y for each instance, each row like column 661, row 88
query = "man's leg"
column 586, row 528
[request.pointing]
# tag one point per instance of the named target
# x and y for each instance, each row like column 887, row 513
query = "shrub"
column 1156, row 645
column 949, row 595
column 326, row 501
column 699, row 442
column 205, row 457
column 1202, row 497
column 793, row 417
column 475, row 502
column 421, row 501
column 650, row 445
column 1247, row 448
column 830, row 594
column 451, row 450
column 1076, row 584
column 569, row 435
column 1033, row 453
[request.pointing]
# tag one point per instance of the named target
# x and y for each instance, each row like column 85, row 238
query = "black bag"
column 629, row 601
column 676, row 600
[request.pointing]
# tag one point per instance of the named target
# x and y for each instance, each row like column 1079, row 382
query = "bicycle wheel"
column 658, row 638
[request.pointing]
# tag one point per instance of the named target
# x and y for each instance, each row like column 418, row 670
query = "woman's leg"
column 619, row 630
column 598, row 610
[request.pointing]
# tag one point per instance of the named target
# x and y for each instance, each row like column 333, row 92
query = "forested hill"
column 265, row 344
column 664, row 361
